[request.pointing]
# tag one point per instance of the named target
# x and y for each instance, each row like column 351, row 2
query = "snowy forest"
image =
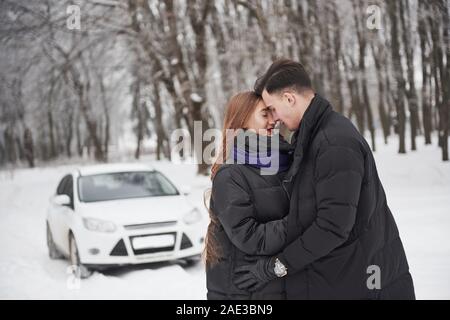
column 76, row 76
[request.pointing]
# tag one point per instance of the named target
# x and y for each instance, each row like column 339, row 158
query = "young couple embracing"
column 318, row 227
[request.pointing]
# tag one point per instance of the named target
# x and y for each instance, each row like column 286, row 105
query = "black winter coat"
column 250, row 208
column 340, row 227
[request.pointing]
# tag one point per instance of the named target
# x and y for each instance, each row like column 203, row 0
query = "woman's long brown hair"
column 238, row 112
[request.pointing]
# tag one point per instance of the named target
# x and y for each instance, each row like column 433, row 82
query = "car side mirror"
column 185, row 190
column 62, row 200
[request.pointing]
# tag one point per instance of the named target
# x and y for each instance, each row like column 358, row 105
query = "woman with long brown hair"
column 248, row 209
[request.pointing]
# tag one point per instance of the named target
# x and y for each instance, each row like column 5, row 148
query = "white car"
column 109, row 215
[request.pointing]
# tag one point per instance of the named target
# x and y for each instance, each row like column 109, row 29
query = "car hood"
column 138, row 210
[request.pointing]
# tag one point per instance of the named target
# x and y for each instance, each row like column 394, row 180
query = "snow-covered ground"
column 417, row 187
column 26, row 272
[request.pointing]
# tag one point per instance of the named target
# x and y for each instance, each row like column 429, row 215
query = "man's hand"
column 256, row 274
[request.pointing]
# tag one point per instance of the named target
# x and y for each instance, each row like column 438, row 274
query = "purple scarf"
column 245, row 154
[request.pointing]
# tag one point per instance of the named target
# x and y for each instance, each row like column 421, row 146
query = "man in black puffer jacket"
column 343, row 242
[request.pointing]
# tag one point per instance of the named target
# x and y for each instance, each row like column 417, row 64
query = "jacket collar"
column 317, row 111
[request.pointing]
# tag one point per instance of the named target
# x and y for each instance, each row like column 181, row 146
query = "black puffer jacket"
column 250, row 207
column 339, row 224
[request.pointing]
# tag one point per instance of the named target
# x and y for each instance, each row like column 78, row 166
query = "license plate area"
column 153, row 243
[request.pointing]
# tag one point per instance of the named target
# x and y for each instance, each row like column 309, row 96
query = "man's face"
column 282, row 106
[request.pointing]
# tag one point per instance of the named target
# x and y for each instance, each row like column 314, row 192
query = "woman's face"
column 261, row 120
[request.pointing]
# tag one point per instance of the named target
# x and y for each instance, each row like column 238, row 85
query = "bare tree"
column 399, row 96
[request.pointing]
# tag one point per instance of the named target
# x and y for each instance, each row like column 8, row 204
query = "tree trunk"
column 80, row 140
column 399, row 95
column 411, row 93
column 10, row 146
column 106, row 131
column 379, row 61
column 339, row 98
column 355, row 97
column 139, row 130
column 358, row 14
column 445, row 79
column 50, row 124
column 28, row 147
column 423, row 8
column 161, row 136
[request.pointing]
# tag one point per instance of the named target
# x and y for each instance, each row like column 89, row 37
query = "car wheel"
column 53, row 251
column 80, row 270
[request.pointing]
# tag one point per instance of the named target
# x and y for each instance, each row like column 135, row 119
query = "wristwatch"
column 280, row 269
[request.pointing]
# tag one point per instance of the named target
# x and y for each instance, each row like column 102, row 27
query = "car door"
column 61, row 214
column 54, row 214
column 67, row 213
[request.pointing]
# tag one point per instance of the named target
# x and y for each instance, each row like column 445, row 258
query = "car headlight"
column 192, row 216
column 99, row 225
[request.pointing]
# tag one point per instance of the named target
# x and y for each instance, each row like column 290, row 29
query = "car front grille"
column 150, row 225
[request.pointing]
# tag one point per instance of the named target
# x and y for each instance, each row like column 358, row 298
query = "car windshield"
column 124, row 185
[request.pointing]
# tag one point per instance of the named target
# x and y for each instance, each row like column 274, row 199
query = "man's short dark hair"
column 283, row 74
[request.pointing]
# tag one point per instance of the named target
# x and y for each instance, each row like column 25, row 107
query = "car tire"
column 80, row 270
column 53, row 251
